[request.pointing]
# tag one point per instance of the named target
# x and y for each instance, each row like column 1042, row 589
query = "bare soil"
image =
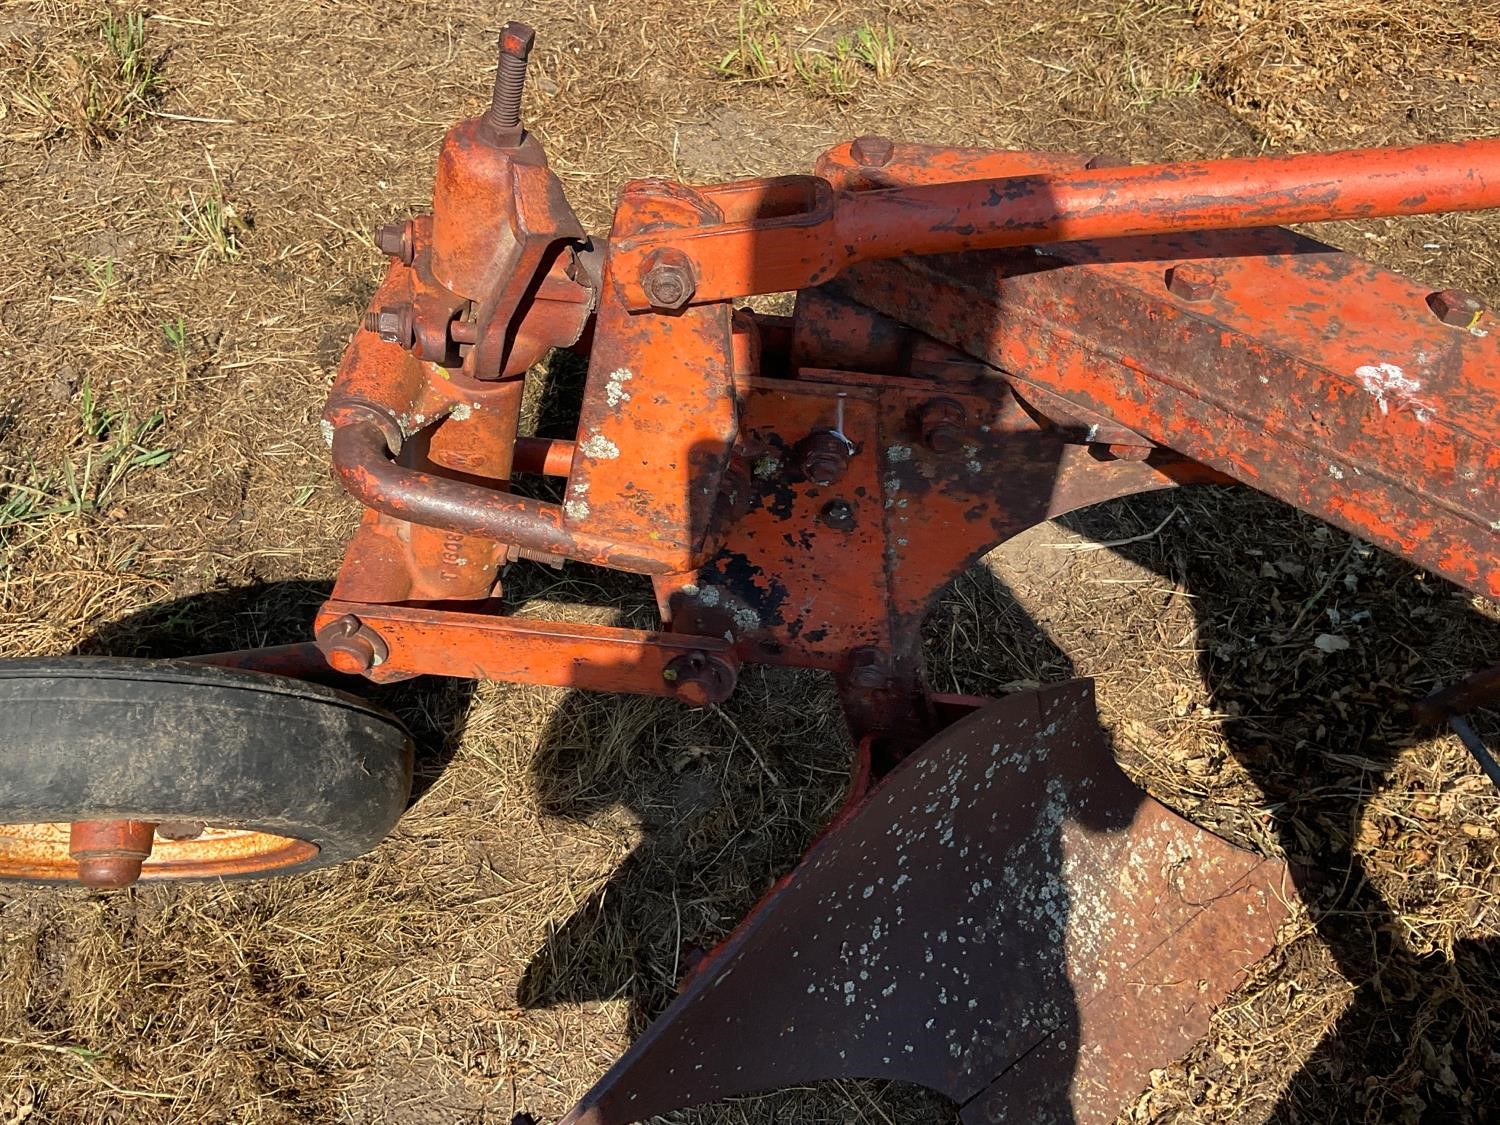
column 181, row 260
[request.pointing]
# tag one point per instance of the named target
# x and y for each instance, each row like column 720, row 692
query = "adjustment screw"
column 1455, row 307
column 942, row 425
column 869, row 668
column 502, row 121
column 1191, row 281
column 351, row 646
column 838, row 515
column 872, row 151
column 393, row 323
column 395, row 239
column 668, row 279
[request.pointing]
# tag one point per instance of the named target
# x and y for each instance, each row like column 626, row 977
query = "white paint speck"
column 1390, row 386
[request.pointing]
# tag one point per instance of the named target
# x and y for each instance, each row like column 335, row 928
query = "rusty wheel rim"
column 173, row 850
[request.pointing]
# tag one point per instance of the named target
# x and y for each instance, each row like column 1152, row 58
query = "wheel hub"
column 109, row 854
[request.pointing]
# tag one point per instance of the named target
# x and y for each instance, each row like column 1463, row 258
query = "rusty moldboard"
column 1007, row 919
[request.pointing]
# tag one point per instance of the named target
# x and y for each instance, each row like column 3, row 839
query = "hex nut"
column 1191, row 281
column 393, row 323
column 869, row 667
column 872, row 151
column 396, row 240
column 669, row 279
column 1454, row 307
column 941, row 423
column 825, row 457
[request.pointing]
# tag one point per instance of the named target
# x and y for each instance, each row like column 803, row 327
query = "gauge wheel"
column 113, row 770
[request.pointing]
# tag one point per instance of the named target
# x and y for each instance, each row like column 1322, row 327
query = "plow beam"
column 791, row 232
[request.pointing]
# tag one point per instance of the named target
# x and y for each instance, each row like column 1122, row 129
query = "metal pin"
column 838, row 421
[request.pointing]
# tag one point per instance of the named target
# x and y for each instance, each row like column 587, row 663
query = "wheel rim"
column 110, row 854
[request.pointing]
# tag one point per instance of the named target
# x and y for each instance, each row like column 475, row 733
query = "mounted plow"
column 980, row 341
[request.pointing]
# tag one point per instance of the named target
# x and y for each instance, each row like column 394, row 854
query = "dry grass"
column 178, row 274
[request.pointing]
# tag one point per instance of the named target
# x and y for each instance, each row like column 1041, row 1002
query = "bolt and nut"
column 669, row 279
column 393, row 323
column 502, row 121
column 941, row 424
column 1191, row 281
column 1454, row 307
column 397, row 240
column 352, row 647
column 825, row 457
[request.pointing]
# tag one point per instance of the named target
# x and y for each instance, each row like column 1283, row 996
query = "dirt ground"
column 187, row 193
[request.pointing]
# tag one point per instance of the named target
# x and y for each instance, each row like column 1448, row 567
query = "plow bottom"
column 1007, row 919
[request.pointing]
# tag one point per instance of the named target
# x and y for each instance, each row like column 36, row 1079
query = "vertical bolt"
column 502, row 121
column 872, row 151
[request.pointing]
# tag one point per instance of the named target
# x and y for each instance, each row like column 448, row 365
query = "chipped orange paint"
column 1069, row 372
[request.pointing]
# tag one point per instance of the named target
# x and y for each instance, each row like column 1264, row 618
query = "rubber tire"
column 92, row 738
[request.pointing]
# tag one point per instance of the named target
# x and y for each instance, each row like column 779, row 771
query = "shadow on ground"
column 1319, row 737
column 728, row 798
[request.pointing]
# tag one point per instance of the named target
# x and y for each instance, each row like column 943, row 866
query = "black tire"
column 86, row 738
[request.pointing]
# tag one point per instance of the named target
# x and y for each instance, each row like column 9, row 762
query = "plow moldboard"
column 1007, row 919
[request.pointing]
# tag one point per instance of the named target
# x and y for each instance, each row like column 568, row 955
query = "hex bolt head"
column 700, row 678
column 517, row 38
column 872, row 151
column 941, row 423
column 838, row 514
column 1454, row 307
column 869, row 667
column 393, row 323
column 1191, row 281
column 395, row 239
column 669, row 279
column 352, row 647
